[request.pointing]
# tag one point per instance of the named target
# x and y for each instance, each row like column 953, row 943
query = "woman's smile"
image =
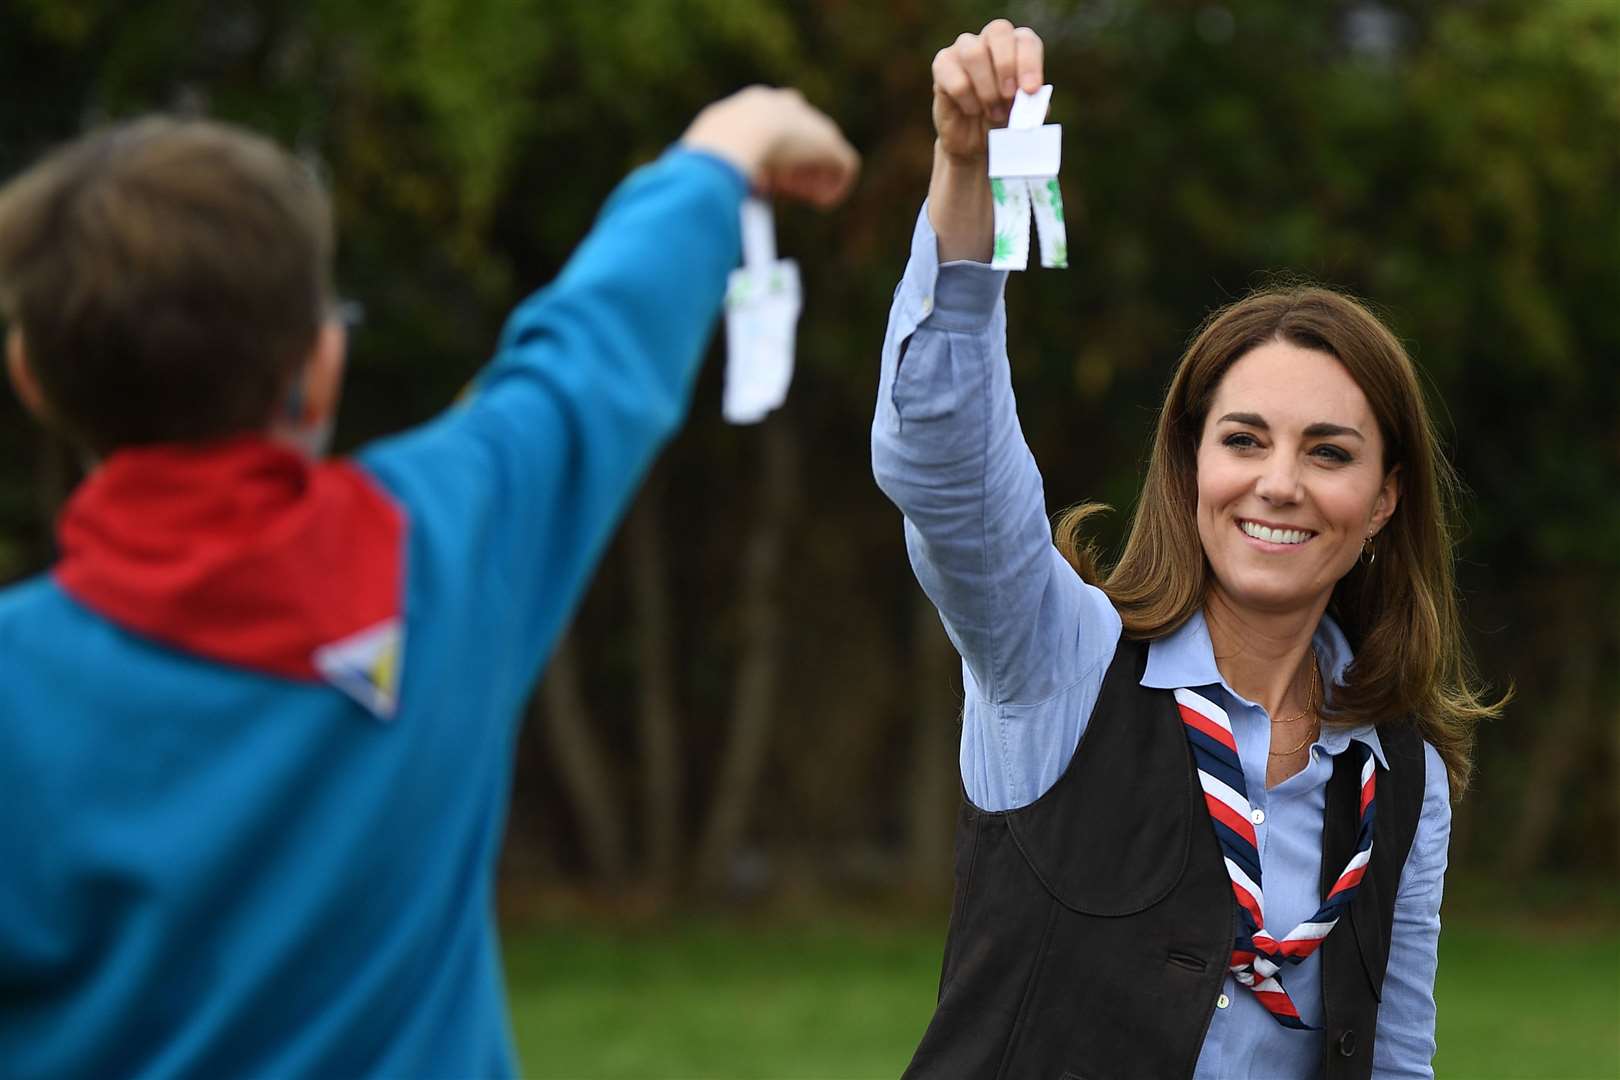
column 1268, row 537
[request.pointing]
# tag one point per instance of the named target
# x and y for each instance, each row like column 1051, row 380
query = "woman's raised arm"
column 948, row 450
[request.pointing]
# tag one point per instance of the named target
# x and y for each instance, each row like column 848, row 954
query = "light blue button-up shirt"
column 1036, row 641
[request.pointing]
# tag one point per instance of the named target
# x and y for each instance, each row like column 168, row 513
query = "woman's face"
column 1290, row 478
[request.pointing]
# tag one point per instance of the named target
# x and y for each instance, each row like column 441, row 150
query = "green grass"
column 840, row 1000
column 715, row 1002
column 1513, row 1004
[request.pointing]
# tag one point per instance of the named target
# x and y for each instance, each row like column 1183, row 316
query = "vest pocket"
column 1188, row 960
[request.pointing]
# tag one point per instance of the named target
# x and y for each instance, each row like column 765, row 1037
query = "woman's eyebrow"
column 1324, row 430
column 1319, row 430
column 1248, row 419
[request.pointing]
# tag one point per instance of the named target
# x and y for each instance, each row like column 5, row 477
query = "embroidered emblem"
column 366, row 666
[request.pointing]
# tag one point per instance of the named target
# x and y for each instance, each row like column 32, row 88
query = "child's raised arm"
column 513, row 494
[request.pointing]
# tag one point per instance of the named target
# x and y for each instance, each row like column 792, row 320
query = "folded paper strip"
column 762, row 312
column 1024, row 159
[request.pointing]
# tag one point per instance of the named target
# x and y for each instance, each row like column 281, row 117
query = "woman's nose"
column 1278, row 482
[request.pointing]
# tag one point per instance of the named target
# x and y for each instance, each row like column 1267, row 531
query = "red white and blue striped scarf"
column 1258, row 956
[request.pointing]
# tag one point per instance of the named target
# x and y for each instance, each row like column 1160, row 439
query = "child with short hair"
column 256, row 725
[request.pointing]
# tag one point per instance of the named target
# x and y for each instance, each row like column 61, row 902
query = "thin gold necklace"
column 1310, row 705
column 1297, row 748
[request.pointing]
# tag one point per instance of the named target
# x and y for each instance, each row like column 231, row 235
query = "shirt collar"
column 1186, row 658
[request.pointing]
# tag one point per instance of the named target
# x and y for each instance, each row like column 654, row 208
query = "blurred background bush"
column 754, row 716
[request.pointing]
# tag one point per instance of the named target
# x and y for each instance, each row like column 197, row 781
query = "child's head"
column 164, row 280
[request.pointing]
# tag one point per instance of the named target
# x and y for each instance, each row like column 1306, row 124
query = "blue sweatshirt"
column 210, row 871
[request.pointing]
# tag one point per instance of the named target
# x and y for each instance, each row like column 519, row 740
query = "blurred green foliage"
column 1457, row 163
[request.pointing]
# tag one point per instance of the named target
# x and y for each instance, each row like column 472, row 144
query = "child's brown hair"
column 168, row 278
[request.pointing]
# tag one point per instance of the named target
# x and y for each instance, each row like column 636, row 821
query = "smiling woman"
column 1297, row 409
column 1268, row 689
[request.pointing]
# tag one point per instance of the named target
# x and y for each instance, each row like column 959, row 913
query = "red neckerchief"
column 245, row 552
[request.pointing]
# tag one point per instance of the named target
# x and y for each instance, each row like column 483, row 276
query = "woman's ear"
column 1389, row 495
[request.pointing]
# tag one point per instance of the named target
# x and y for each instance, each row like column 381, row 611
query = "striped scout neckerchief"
column 1257, row 956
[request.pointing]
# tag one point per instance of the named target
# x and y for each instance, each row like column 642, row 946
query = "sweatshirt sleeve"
column 947, row 449
column 513, row 493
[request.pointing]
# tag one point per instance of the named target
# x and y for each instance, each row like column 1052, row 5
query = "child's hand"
column 783, row 144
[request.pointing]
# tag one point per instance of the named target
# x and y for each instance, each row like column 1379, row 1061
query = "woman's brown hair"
column 1400, row 611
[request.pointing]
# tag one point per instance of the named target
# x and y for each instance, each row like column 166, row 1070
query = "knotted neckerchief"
column 1257, row 956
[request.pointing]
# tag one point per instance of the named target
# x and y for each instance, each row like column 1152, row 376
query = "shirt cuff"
column 960, row 295
column 966, row 294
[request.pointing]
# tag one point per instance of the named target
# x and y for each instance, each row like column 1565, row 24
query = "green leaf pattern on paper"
column 998, row 192
column 1003, row 247
column 1056, row 197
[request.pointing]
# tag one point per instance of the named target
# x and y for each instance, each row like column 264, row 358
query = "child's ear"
column 22, row 376
column 323, row 374
column 313, row 397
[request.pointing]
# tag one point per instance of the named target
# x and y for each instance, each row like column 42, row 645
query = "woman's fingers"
column 980, row 73
column 1030, row 59
column 975, row 80
column 973, row 53
column 951, row 82
column 1001, row 42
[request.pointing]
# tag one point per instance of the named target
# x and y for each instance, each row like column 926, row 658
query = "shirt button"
column 927, row 304
column 1222, row 1002
column 1258, row 816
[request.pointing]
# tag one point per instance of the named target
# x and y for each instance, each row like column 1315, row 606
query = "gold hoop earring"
column 1368, row 555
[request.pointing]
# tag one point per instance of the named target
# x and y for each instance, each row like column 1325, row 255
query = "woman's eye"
column 1332, row 453
column 1240, row 440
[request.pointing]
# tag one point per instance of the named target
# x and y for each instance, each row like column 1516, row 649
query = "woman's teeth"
column 1274, row 536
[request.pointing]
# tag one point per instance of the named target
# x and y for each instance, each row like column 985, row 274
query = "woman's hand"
column 975, row 80
column 782, row 143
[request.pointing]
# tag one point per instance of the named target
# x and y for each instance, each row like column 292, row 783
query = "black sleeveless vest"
column 1091, row 930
